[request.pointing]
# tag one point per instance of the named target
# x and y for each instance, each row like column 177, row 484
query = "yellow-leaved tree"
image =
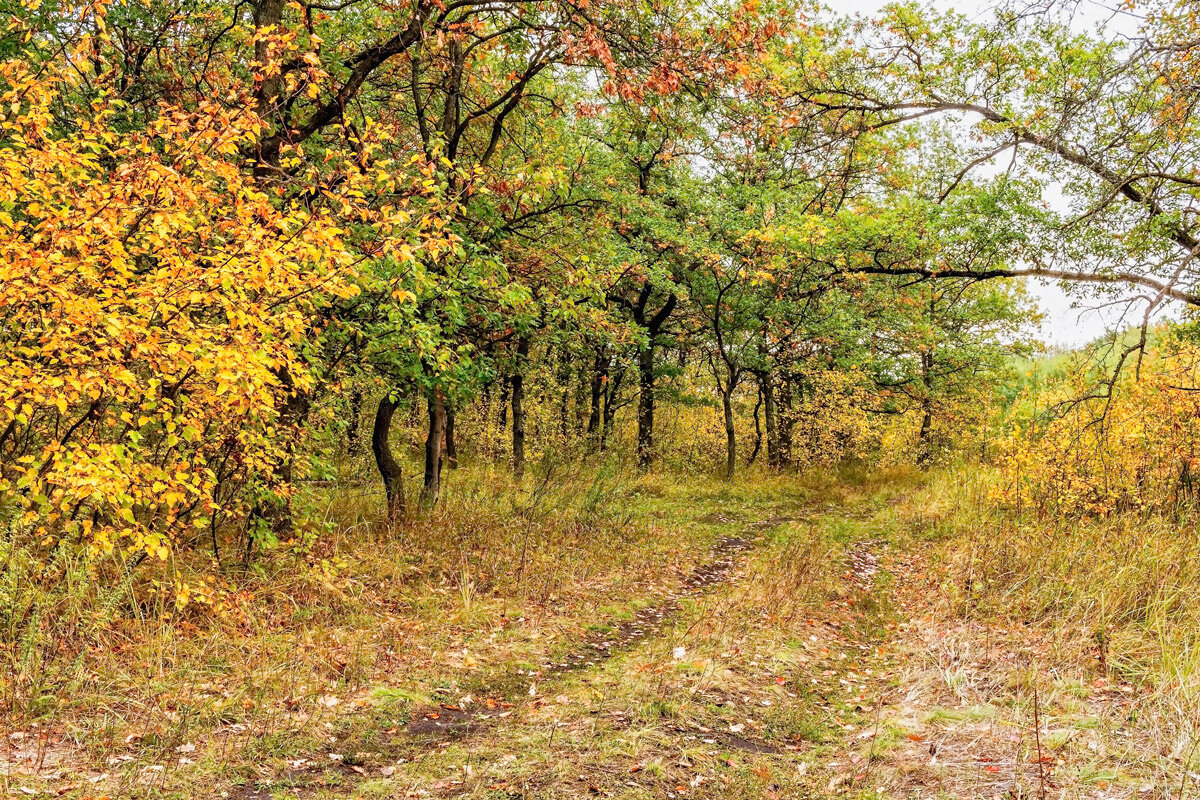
column 154, row 303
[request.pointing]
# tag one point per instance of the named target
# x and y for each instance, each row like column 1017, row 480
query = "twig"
column 1037, row 737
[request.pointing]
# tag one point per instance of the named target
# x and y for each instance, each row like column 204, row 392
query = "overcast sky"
column 1070, row 319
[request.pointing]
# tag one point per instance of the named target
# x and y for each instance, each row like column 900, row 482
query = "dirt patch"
column 729, row 740
column 455, row 721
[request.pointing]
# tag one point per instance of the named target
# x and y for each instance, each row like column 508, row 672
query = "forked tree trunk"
column 433, row 450
column 652, row 325
column 385, row 461
column 758, row 436
column 612, row 390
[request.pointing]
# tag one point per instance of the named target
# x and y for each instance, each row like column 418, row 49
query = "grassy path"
column 753, row 642
column 729, row 685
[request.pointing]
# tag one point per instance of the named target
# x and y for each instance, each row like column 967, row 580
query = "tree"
column 154, row 297
column 1047, row 102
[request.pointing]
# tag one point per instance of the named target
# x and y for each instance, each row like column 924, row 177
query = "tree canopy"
column 219, row 221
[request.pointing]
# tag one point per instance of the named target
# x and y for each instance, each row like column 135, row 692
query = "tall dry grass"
column 1120, row 595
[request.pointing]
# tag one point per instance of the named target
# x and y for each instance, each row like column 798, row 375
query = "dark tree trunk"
column 518, row 408
column 599, row 373
column 766, row 385
column 564, row 399
column 652, row 325
column 353, row 423
column 784, row 422
column 433, row 450
column 730, row 383
column 612, row 390
column 581, row 398
column 389, row 468
column 451, row 447
column 268, row 14
column 599, row 379
column 924, row 447
column 645, row 433
column 505, row 386
column 758, row 436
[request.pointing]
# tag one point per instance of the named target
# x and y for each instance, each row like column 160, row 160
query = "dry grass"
column 1096, row 619
column 364, row 619
column 874, row 619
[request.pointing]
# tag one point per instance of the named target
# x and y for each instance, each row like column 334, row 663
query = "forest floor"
column 784, row 642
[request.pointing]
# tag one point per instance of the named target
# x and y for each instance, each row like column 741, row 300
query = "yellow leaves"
column 1096, row 457
column 149, row 298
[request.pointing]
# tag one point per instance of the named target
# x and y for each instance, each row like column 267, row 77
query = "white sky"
column 1071, row 319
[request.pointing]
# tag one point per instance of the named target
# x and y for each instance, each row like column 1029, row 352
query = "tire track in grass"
column 447, row 721
column 437, row 726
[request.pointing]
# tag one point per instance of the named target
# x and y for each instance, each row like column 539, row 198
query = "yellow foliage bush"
column 1073, row 449
column 154, row 306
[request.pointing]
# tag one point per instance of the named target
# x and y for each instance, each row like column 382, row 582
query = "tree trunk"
column 758, row 436
column 352, row 424
column 767, row 386
column 581, row 398
column 784, row 423
column 268, row 14
column 518, row 409
column 451, row 447
column 612, row 389
column 652, row 325
column 433, row 450
column 599, row 379
column 730, row 433
column 505, row 386
column 926, row 424
column 645, row 434
column 389, row 468
column 564, row 399
column 924, row 453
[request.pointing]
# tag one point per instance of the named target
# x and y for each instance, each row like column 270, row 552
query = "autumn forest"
column 578, row 398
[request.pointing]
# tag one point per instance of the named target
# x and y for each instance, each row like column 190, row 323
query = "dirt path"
column 623, row 635
column 501, row 703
